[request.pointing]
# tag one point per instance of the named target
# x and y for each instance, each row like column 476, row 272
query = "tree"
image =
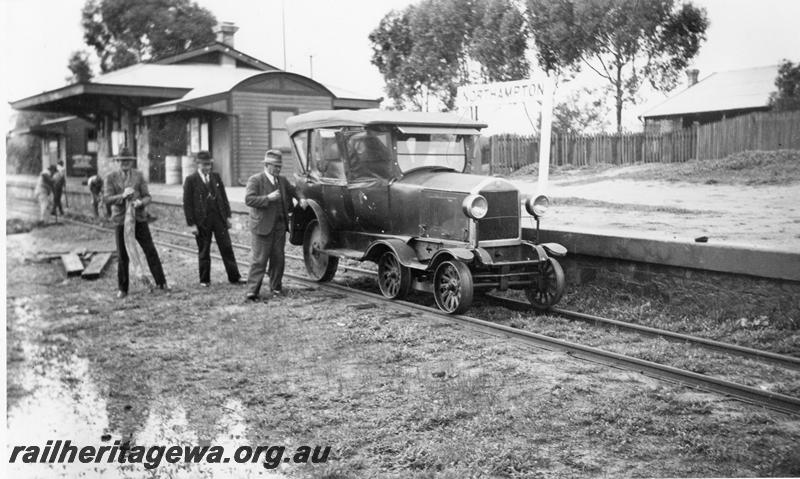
column 23, row 152
column 124, row 32
column 577, row 116
column 391, row 53
column 424, row 51
column 500, row 41
column 788, row 82
column 625, row 42
column 80, row 67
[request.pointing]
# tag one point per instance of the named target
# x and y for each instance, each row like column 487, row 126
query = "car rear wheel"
column 548, row 287
column 320, row 266
column 452, row 287
column 394, row 279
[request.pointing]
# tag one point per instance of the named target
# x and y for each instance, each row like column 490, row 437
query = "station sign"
column 508, row 92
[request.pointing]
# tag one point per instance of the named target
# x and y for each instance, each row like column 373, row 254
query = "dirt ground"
column 393, row 394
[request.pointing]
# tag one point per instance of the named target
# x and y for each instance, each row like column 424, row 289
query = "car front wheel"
column 548, row 287
column 452, row 287
column 320, row 266
column 394, row 279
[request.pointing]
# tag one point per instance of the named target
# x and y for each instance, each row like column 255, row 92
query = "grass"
column 747, row 168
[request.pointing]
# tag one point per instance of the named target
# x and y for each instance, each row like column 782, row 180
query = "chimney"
column 225, row 32
column 691, row 76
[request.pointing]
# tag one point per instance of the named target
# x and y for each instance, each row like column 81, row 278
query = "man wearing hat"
column 206, row 207
column 269, row 197
column 125, row 185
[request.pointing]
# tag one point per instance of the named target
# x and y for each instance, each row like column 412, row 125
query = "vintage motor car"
column 395, row 188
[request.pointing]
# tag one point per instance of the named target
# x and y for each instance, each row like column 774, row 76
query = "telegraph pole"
column 283, row 24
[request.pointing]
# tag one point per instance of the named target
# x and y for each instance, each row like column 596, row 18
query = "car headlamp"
column 537, row 207
column 475, row 206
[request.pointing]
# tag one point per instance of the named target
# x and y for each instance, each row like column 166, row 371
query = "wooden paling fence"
column 508, row 153
column 756, row 131
column 504, row 154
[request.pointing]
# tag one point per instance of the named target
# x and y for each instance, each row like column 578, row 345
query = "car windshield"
column 431, row 150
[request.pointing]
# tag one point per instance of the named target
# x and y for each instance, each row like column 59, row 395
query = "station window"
column 278, row 136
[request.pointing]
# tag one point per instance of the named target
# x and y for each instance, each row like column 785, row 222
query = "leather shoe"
column 279, row 292
column 204, row 285
column 164, row 287
column 239, row 281
column 250, row 298
column 121, row 294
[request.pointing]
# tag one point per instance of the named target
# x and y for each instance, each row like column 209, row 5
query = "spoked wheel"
column 320, row 266
column 452, row 287
column 394, row 279
column 548, row 287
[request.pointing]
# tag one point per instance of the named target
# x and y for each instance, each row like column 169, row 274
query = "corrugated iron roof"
column 731, row 90
column 212, row 78
column 201, row 80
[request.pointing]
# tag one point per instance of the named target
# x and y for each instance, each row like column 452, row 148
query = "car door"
column 369, row 172
column 327, row 177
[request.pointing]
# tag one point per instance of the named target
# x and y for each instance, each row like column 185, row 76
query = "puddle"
column 63, row 403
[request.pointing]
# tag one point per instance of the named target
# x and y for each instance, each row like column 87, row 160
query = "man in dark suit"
column 206, row 207
column 269, row 197
column 121, row 187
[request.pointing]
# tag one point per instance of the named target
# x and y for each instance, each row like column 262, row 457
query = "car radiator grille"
column 502, row 219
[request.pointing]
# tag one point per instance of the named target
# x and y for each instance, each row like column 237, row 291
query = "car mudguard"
column 300, row 222
column 544, row 250
column 554, row 249
column 405, row 253
column 464, row 255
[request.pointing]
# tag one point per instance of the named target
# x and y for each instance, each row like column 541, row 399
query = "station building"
column 212, row 98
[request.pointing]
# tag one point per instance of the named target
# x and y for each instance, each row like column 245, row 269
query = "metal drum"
column 172, row 170
column 187, row 166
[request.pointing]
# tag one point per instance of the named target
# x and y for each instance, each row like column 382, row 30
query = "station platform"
column 737, row 229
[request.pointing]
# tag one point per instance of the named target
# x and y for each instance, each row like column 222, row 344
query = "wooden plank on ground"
column 96, row 266
column 72, row 264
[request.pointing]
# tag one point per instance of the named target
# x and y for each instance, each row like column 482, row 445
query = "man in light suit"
column 206, row 207
column 128, row 185
column 269, row 197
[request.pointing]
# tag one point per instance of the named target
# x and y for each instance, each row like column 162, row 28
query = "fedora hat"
column 204, row 157
column 125, row 155
column 273, row 157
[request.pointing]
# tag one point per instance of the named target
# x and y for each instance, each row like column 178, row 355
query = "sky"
column 327, row 39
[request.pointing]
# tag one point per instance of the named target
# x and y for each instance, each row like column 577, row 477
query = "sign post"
column 544, row 135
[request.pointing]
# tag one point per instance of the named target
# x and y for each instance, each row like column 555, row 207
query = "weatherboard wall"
column 252, row 135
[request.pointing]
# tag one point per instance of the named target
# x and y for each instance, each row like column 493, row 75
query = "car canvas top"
column 337, row 118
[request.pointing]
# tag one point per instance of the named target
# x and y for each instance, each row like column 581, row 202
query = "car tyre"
column 394, row 279
column 547, row 287
column 320, row 266
column 452, row 287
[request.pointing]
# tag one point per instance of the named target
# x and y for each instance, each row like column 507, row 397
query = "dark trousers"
column 57, row 193
column 142, row 233
column 267, row 249
column 215, row 226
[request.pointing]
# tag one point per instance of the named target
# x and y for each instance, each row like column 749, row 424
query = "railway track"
column 756, row 396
